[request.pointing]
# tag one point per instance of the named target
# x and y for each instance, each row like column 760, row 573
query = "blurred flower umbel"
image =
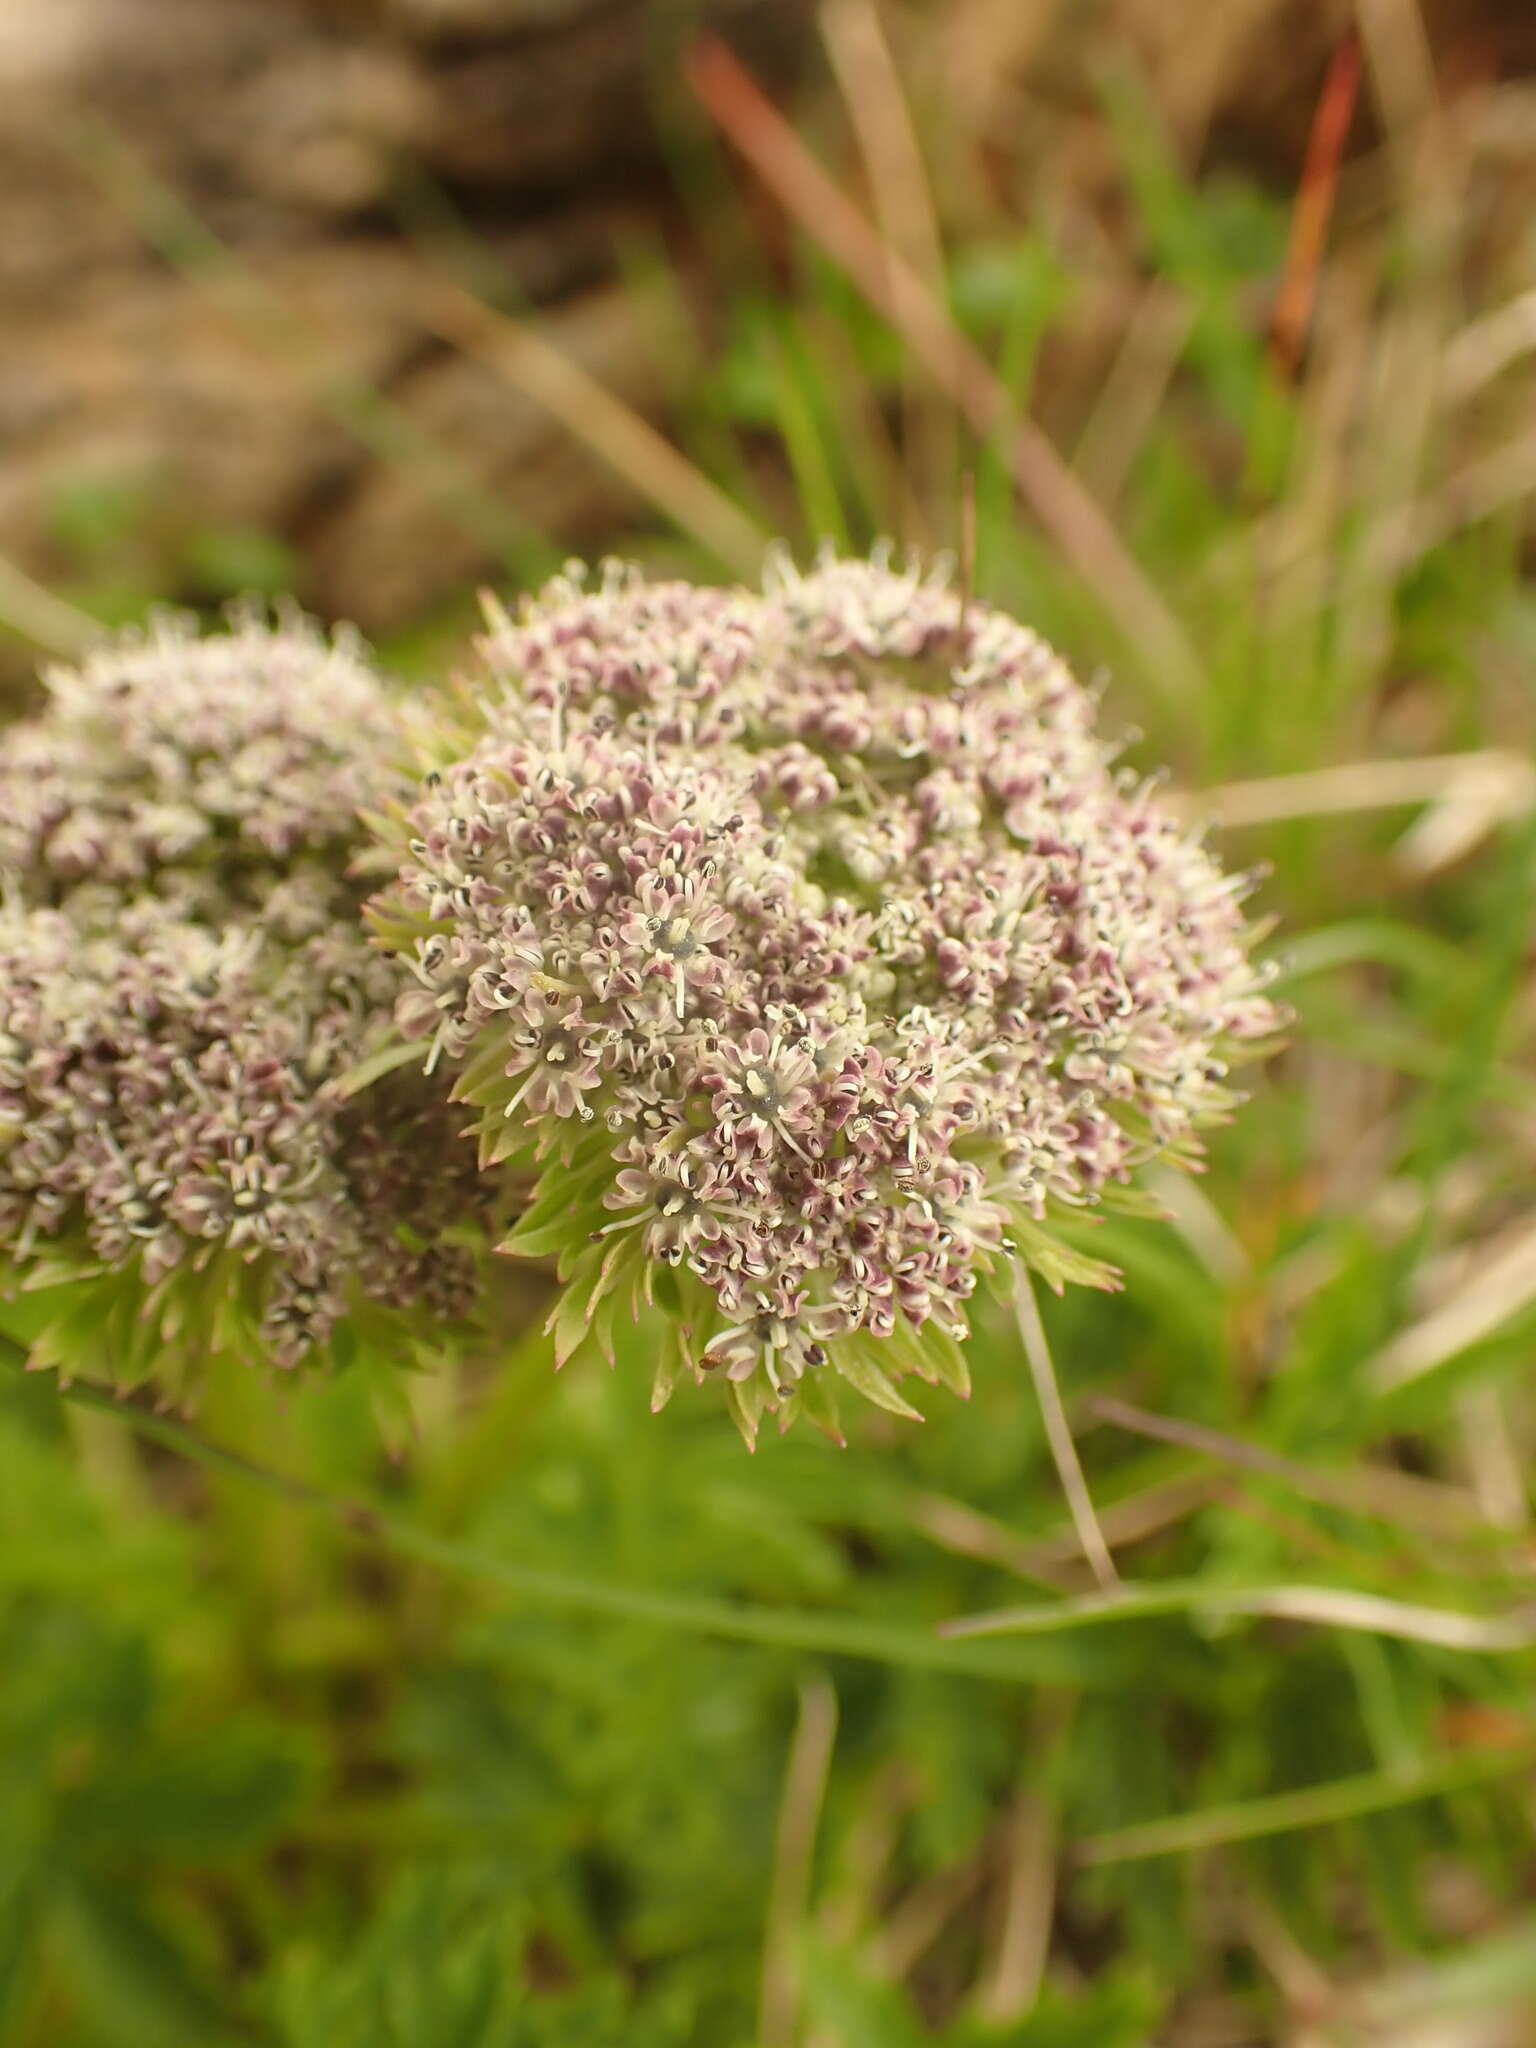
column 812, row 951
column 186, row 993
column 219, row 765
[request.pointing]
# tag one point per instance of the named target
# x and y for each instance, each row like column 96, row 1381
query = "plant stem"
column 1059, row 1435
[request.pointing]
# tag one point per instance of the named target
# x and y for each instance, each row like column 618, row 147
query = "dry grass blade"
column 1375, row 1614
column 1200, row 1223
column 1133, row 390
column 861, row 56
column 1481, row 489
column 1059, row 1434
column 1397, row 1497
column 1309, row 1806
column 1056, row 1560
column 1402, row 65
column 1494, row 790
column 1468, row 795
column 859, row 1877
column 1491, row 1298
column 1306, row 1987
column 1390, row 461
column 1487, row 347
column 911, row 1926
column 805, row 1784
column 1494, row 1462
column 1048, row 485
column 37, row 615
column 893, row 160
column 985, row 47
column 1012, row 1984
column 1341, row 1607
column 1009, row 1983
column 593, row 415
column 1500, row 481
column 965, row 1533
column 1480, row 1993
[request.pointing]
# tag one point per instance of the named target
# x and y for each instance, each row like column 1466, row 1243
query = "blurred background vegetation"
column 513, row 1715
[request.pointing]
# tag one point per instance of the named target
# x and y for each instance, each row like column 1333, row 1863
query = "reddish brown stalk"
column 1314, row 207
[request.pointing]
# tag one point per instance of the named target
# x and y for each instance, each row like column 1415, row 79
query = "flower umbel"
column 812, row 950
column 234, row 758
column 185, row 989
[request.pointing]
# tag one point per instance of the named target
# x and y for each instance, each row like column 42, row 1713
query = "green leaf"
column 856, row 1363
column 853, row 2006
column 541, row 1241
column 570, row 1320
column 1059, row 1264
column 1119, row 2009
column 210, row 1800
column 140, row 1987
column 388, row 1060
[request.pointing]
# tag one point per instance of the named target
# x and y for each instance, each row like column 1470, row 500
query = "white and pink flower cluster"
column 809, row 947
column 185, row 987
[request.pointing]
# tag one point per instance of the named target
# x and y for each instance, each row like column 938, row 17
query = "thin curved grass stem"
column 805, row 1785
column 1059, row 1435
